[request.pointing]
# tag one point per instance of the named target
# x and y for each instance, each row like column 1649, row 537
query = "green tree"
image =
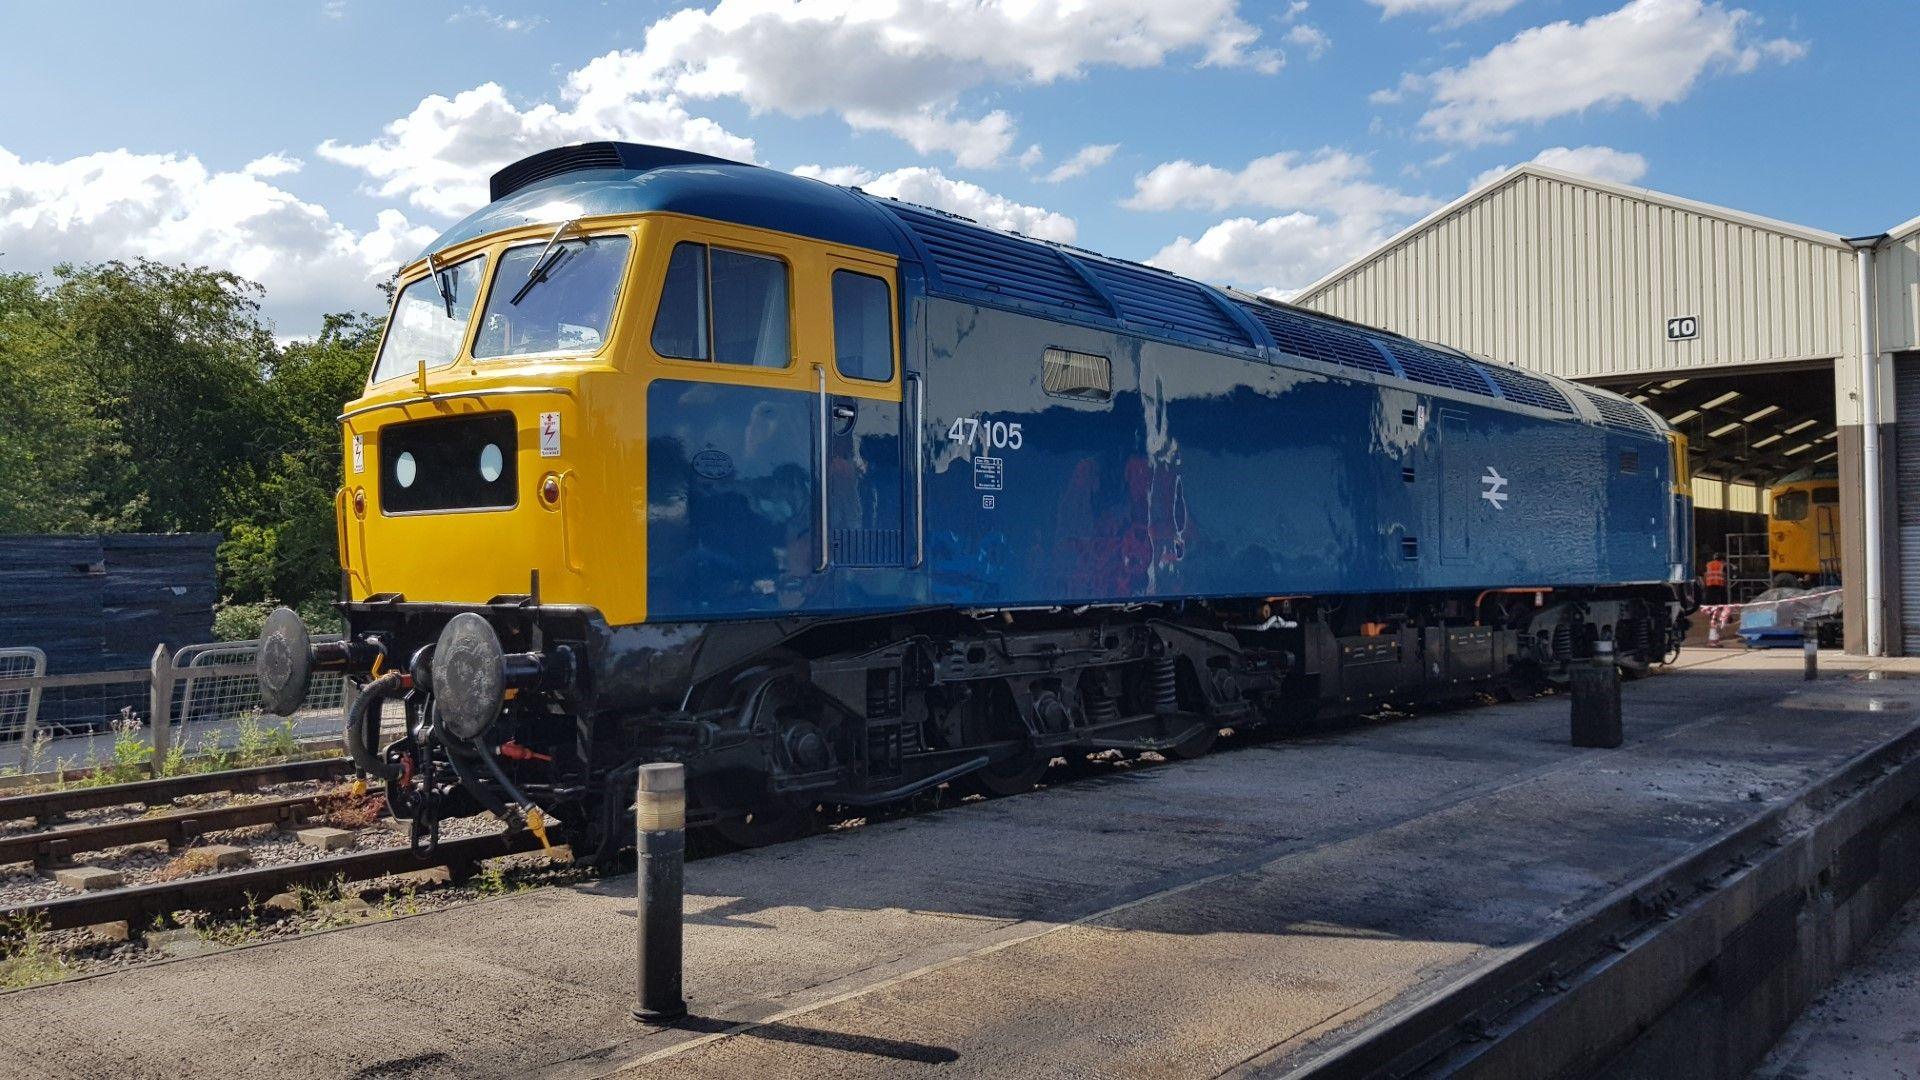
column 281, row 539
column 152, row 398
column 54, row 445
column 172, row 359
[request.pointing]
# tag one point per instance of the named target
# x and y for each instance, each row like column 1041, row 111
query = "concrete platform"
column 1270, row 909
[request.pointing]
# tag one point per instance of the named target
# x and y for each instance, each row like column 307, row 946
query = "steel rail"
column 139, row 905
column 42, row 804
column 60, row 844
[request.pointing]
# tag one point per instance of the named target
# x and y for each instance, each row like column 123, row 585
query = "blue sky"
column 313, row 144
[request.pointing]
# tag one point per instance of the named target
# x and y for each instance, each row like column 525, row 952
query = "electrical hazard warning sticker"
column 549, row 434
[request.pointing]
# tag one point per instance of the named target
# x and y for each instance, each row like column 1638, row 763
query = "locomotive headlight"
column 492, row 463
column 405, row 469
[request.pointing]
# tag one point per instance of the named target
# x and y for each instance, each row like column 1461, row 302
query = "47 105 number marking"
column 991, row 435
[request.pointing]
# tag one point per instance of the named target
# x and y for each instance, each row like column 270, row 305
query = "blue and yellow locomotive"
column 837, row 499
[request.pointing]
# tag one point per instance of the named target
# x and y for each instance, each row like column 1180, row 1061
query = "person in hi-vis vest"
column 1715, row 580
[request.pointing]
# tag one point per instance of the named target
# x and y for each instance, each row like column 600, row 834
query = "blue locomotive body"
column 994, row 503
column 1251, row 449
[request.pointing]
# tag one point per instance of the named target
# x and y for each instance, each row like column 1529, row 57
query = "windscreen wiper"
column 440, row 283
column 542, row 266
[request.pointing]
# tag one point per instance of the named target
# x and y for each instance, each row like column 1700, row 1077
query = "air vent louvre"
column 1618, row 412
column 1526, row 388
column 1435, row 368
column 540, row 167
column 968, row 258
column 1318, row 339
column 1150, row 299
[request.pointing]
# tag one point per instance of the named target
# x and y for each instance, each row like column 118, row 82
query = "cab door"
column 865, row 457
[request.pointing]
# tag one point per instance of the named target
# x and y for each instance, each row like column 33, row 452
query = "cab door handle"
column 843, row 411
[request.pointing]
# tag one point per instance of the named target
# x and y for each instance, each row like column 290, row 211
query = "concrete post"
column 160, row 705
column 1810, row 648
column 1596, row 699
column 660, row 839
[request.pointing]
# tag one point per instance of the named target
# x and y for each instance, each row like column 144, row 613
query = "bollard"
column 660, row 839
column 1810, row 648
column 1596, row 699
column 160, row 707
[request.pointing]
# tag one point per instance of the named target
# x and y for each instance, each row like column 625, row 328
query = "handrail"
column 919, row 470
column 820, row 462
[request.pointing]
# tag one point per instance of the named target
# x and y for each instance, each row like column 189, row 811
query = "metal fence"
column 209, row 695
column 20, row 709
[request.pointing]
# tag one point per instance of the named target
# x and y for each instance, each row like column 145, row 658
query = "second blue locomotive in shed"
column 837, row 499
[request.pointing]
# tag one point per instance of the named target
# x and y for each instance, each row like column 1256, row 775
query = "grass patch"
column 26, row 956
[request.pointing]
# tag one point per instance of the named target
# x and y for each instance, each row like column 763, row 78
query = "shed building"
column 1750, row 335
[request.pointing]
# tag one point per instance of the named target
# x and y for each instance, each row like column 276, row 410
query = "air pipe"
column 1870, row 464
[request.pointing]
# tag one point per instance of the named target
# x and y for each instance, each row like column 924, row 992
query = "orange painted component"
column 513, row 751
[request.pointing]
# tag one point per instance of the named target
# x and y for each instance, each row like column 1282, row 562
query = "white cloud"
column 1277, row 256
column 513, row 24
column 1649, row 52
column 905, row 67
column 1086, row 160
column 1328, row 179
column 438, row 157
column 931, row 187
column 119, row 205
column 271, row 165
column 1599, row 162
column 1311, row 38
column 1452, row 12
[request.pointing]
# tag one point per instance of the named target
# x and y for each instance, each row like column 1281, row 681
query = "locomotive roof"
column 963, row 259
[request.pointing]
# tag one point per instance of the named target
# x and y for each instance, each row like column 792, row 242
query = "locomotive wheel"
column 773, row 822
column 1194, row 747
column 1003, row 778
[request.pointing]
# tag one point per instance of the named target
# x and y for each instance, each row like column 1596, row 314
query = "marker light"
column 550, row 490
column 359, row 502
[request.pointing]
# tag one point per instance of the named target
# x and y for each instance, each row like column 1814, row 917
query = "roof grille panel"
column 1318, row 339
column 970, row 258
column 1526, row 388
column 1435, row 368
column 565, row 159
column 1617, row 411
column 1150, row 298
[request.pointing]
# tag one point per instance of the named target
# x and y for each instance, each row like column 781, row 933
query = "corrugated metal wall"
column 1580, row 281
column 1897, row 276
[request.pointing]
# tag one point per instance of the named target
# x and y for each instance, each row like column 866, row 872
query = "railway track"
column 54, row 844
column 139, row 905
column 47, row 806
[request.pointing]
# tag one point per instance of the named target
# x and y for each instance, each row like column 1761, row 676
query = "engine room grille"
column 1617, row 411
column 1436, row 368
column 1315, row 339
column 1527, row 389
column 967, row 257
column 1150, row 298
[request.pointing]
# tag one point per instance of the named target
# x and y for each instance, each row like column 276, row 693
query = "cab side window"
column 862, row 326
column 726, row 306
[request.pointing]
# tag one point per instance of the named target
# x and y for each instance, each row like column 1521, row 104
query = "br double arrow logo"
column 1493, row 488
